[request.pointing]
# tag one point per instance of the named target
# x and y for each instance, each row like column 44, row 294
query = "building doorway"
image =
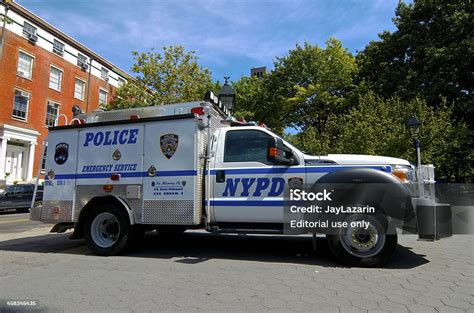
column 15, row 161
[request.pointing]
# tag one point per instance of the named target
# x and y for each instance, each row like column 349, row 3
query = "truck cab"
column 248, row 184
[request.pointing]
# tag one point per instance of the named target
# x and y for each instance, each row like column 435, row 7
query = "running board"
column 217, row 230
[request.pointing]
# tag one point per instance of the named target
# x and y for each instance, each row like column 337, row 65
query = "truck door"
column 247, row 187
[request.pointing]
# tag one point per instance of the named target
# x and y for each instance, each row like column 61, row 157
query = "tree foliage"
column 250, row 96
column 431, row 54
column 378, row 127
column 168, row 77
column 303, row 89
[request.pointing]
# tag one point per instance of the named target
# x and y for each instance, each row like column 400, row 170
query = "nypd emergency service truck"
column 113, row 175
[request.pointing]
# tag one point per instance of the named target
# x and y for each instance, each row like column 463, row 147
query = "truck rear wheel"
column 356, row 246
column 107, row 231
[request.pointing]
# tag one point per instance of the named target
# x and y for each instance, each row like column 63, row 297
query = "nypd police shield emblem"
column 61, row 153
column 169, row 144
column 295, row 183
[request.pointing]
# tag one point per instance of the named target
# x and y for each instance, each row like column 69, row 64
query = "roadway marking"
column 15, row 221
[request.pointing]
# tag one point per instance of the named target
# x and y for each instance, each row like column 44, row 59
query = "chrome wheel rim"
column 360, row 242
column 105, row 230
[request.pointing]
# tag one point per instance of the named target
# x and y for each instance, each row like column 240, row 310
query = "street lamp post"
column 227, row 95
column 414, row 128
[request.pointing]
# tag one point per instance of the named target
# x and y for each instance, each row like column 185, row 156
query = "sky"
column 229, row 37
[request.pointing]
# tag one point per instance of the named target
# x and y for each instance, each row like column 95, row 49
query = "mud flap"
column 61, row 227
column 35, row 213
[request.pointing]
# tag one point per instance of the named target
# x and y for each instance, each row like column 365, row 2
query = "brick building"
column 43, row 74
column 258, row 71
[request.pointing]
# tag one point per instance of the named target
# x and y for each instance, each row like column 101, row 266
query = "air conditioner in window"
column 58, row 51
column 32, row 37
column 83, row 66
column 22, row 94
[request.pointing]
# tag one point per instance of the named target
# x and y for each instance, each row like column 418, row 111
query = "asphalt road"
column 12, row 222
column 227, row 273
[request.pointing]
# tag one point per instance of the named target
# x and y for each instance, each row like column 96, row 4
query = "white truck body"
column 175, row 165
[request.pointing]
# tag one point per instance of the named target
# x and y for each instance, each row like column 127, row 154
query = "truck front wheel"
column 106, row 231
column 357, row 246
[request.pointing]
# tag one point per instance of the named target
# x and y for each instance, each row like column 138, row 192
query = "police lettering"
column 254, row 186
column 126, row 136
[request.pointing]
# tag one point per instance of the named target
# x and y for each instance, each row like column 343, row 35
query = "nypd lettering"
column 61, row 153
column 115, row 137
column 254, row 186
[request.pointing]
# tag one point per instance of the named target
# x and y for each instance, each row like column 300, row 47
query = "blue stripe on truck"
column 307, row 169
column 247, row 202
column 231, row 171
column 124, row 174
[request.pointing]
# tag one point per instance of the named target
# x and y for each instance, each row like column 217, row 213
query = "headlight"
column 405, row 173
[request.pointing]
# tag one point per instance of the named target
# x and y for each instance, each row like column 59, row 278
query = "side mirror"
column 279, row 153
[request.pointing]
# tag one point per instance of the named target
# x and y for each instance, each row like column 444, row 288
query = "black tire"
column 119, row 230
column 170, row 231
column 378, row 256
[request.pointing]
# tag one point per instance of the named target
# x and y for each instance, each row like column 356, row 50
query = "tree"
column 378, row 127
column 250, row 95
column 310, row 83
column 431, row 54
column 168, row 77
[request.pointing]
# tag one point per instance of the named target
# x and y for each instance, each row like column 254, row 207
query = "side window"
column 14, row 190
column 246, row 146
column 27, row 189
column 10, row 189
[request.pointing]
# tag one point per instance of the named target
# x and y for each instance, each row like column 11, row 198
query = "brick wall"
column 39, row 89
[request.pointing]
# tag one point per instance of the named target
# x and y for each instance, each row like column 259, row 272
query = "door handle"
column 220, row 176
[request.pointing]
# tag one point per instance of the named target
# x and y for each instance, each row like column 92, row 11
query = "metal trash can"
column 434, row 220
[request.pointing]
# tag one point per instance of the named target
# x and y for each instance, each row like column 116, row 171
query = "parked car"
column 19, row 197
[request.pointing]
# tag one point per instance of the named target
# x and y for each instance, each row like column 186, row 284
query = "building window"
column 55, row 78
column 25, row 65
column 28, row 29
column 20, row 105
column 58, row 47
column 104, row 73
column 52, row 111
column 121, row 82
column 80, row 89
column 102, row 98
column 81, row 60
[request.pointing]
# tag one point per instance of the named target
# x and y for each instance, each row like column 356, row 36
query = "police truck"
column 112, row 175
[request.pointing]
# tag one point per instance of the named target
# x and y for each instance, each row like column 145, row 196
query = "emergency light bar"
column 194, row 107
column 214, row 100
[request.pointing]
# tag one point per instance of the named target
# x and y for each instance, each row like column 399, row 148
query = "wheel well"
column 94, row 202
column 369, row 186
